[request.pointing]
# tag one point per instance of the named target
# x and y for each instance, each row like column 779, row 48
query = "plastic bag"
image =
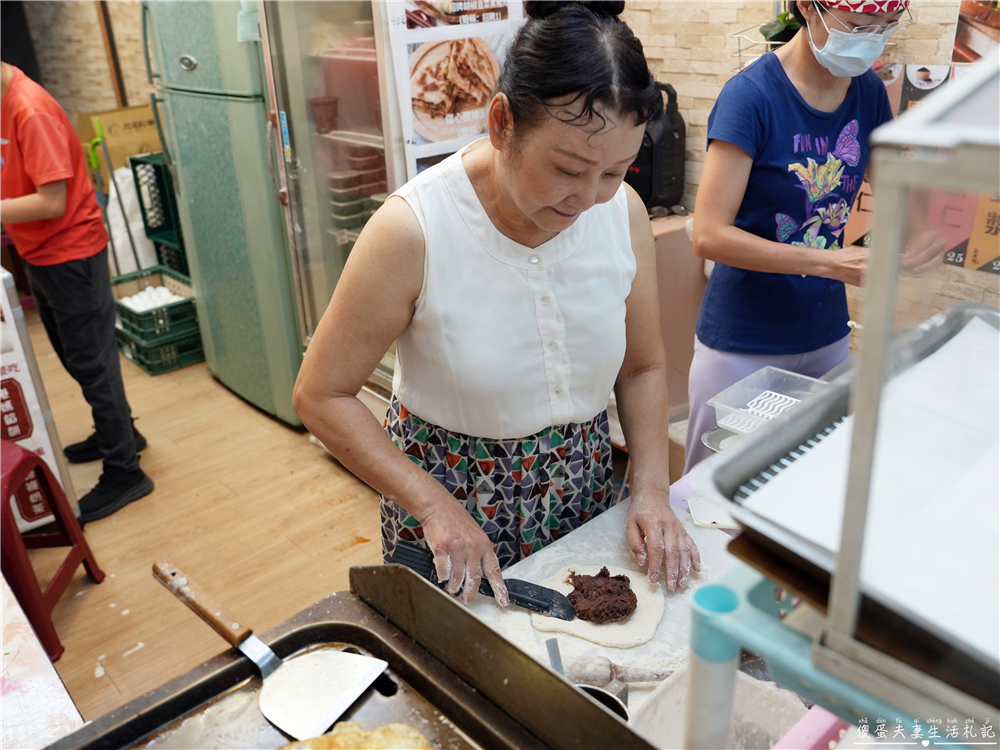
column 144, row 248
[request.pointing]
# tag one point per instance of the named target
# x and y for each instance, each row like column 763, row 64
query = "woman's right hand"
column 463, row 553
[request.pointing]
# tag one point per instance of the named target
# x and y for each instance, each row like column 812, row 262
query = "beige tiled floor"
column 264, row 520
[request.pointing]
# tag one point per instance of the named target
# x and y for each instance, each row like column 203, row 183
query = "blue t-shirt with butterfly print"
column 807, row 168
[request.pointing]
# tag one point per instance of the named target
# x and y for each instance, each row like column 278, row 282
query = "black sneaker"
column 86, row 450
column 114, row 491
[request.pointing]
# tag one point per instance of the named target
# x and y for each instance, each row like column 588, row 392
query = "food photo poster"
column 447, row 57
column 977, row 33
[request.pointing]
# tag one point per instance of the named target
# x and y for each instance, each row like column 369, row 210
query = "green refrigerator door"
column 235, row 242
column 195, row 48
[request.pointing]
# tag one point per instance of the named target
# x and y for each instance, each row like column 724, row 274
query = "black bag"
column 657, row 174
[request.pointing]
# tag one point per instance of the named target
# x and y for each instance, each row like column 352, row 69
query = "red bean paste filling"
column 601, row 598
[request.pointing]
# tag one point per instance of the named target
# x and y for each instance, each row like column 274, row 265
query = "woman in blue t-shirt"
column 787, row 153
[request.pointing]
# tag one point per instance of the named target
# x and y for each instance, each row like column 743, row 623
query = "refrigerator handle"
column 150, row 75
column 153, row 102
column 272, row 126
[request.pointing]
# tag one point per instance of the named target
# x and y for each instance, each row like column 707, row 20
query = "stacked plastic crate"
column 164, row 336
column 155, row 189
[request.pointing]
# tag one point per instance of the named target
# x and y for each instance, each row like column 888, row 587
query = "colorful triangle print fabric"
column 524, row 493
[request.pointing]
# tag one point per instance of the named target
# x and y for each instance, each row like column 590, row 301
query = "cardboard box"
column 127, row 131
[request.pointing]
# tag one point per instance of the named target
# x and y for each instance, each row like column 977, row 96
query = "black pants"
column 78, row 311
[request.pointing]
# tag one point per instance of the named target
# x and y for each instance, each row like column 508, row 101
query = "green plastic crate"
column 172, row 257
column 169, row 320
column 164, row 355
column 155, row 188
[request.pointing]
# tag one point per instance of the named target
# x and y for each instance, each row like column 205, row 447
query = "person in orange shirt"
column 49, row 208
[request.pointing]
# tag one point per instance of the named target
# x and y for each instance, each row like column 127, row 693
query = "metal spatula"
column 522, row 593
column 302, row 696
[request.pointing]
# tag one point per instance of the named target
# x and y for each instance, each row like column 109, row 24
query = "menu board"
column 22, row 421
column 447, row 57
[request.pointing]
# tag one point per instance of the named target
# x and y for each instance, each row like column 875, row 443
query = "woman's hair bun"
column 544, row 8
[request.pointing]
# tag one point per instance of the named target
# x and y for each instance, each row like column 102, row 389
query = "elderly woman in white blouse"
column 517, row 279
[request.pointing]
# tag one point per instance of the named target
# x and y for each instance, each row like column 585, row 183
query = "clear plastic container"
column 369, row 176
column 350, row 221
column 350, row 206
column 759, row 398
column 347, row 178
column 362, row 163
column 343, row 195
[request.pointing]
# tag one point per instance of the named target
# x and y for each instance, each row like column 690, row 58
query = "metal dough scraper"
column 302, row 696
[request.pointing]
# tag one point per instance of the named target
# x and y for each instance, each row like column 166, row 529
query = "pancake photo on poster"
column 451, row 83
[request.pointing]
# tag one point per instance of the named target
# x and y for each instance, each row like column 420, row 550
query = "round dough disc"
column 632, row 631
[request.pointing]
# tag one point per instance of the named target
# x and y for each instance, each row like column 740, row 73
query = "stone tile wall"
column 71, row 55
column 126, row 20
column 693, row 47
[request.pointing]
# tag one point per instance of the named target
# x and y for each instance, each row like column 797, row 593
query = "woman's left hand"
column 656, row 537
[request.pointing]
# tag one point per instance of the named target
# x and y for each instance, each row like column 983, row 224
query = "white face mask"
column 847, row 55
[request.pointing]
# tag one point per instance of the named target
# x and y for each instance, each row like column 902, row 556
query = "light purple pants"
column 712, row 371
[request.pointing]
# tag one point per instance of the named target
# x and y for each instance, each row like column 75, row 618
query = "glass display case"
column 331, row 82
column 328, row 71
column 921, row 514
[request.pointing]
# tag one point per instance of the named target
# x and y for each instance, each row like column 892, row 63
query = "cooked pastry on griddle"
column 348, row 735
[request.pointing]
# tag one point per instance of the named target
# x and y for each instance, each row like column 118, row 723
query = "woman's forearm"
column 463, row 553
column 738, row 248
column 353, row 435
column 643, row 411
column 741, row 249
column 724, row 183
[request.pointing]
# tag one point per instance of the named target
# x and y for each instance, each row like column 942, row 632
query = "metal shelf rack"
column 749, row 42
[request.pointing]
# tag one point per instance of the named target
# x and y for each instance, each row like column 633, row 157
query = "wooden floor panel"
column 262, row 519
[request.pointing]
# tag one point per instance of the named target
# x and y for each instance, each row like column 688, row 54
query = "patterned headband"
column 867, row 6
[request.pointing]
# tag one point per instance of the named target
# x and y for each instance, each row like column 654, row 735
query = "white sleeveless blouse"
column 507, row 340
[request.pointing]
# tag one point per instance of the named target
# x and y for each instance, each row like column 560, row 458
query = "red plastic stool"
column 15, row 465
